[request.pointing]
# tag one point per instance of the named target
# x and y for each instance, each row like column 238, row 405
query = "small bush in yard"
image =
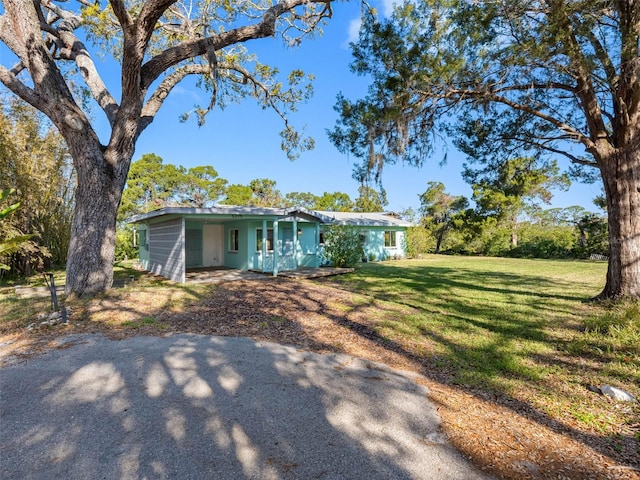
column 342, row 245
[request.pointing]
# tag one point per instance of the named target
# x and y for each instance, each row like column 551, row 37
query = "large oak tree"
column 508, row 79
column 157, row 44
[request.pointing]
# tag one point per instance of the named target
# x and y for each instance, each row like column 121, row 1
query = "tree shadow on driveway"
column 191, row 406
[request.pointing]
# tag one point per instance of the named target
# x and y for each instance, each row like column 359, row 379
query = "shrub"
column 124, row 245
column 342, row 245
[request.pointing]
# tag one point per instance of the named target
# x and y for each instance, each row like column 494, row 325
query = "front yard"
column 507, row 347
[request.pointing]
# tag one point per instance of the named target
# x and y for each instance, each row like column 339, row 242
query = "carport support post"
column 276, row 248
column 317, row 242
column 295, row 243
column 263, row 247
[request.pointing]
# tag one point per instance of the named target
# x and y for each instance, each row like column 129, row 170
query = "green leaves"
column 11, row 208
column 11, row 244
column 342, row 245
column 152, row 185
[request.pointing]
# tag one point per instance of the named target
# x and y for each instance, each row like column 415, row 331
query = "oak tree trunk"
column 93, row 232
column 621, row 176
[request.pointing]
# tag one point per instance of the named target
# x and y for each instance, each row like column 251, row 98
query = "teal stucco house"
column 175, row 239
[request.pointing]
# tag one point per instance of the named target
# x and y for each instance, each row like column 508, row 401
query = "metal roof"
column 374, row 219
column 377, row 219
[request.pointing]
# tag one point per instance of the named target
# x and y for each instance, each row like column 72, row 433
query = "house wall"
column 255, row 250
column 308, row 246
column 374, row 243
column 166, row 249
column 239, row 259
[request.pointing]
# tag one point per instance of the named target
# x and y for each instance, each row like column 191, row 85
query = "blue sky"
column 242, row 142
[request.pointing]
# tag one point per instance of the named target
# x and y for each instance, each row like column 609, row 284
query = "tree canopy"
column 152, row 184
column 538, row 79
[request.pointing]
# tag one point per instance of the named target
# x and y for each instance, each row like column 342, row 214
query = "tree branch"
column 585, row 89
column 193, row 48
column 151, row 12
column 121, row 13
column 80, row 55
column 10, row 81
column 154, row 103
column 461, row 95
column 536, row 86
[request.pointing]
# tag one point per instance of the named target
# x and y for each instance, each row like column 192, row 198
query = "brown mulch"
column 504, row 436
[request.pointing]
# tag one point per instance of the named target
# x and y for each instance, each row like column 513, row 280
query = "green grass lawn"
column 523, row 328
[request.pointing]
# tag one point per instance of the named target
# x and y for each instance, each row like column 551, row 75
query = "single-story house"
column 174, row 239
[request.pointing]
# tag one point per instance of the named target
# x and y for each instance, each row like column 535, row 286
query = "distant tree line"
column 504, row 222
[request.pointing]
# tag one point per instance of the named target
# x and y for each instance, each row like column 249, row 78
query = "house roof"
column 374, row 219
column 379, row 219
column 230, row 210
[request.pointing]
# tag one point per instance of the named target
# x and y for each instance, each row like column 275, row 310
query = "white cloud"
column 387, row 7
column 354, row 28
column 190, row 92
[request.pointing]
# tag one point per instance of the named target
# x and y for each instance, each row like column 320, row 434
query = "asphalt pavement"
column 201, row 407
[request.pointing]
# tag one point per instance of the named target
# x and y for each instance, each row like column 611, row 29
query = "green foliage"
column 201, row 187
column 333, row 202
column 463, row 67
column 238, row 195
column 301, row 199
column 261, row 192
column 125, row 250
column 370, row 199
column 419, row 241
column 265, row 193
column 593, row 236
column 35, row 164
column 342, row 245
column 440, row 211
column 506, row 188
column 9, row 244
column 152, row 184
column 536, row 241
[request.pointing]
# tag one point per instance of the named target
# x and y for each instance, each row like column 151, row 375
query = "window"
column 233, row 240
column 390, row 239
column 269, row 239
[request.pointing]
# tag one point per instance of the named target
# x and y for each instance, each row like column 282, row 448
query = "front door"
column 193, row 247
column 287, row 260
column 213, row 254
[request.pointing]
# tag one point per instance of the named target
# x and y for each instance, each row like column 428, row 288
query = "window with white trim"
column 390, row 239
